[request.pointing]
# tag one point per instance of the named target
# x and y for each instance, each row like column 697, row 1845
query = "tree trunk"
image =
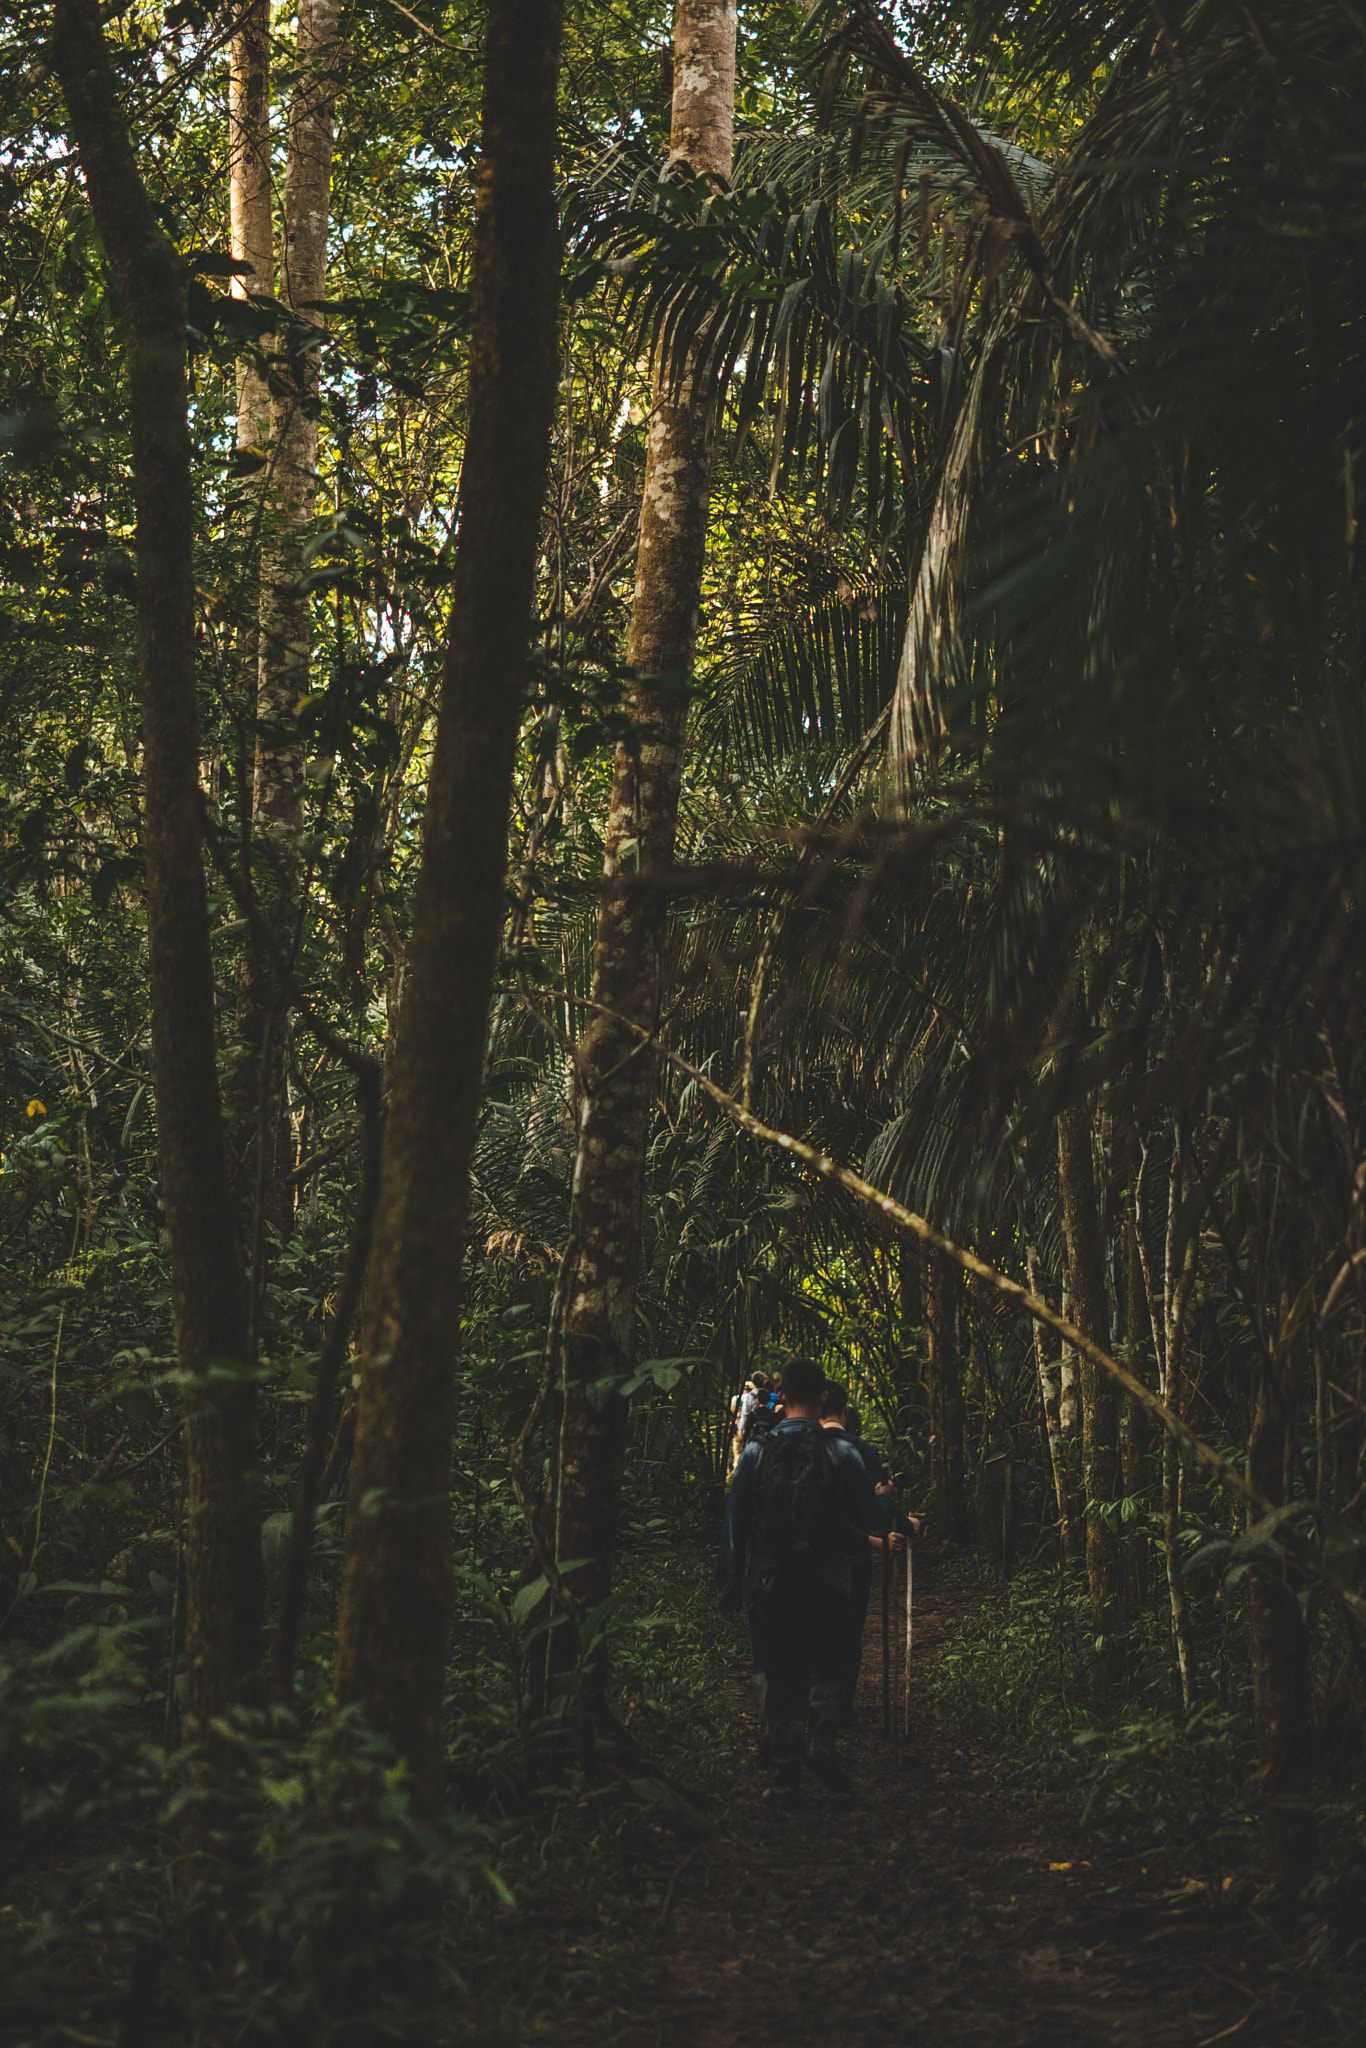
column 286, row 607
column 223, row 1581
column 617, row 1071
column 249, row 199
column 1050, row 1404
column 397, row 1585
column 1069, row 1438
column 286, row 617
column 1099, row 1408
column 253, row 242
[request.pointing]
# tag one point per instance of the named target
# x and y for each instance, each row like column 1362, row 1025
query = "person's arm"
column 865, row 1510
column 901, row 1524
column 730, row 1556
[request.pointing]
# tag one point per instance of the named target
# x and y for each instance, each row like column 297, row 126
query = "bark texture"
column 223, row 1582
column 285, row 614
column 285, row 618
column 397, row 1580
column 249, row 199
column 1099, row 1406
column 251, row 219
column 1047, row 1371
column 617, row 1072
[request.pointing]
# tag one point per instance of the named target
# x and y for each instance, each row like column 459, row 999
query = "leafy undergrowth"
column 318, row 1897
column 1177, row 1785
column 563, row 1958
column 1019, row 1673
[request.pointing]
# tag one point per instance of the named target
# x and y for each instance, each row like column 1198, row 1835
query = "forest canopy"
column 677, row 686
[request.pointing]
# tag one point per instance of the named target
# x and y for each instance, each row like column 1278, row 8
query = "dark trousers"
column 799, row 1629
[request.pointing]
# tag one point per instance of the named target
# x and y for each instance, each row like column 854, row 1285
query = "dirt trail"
column 935, row 1908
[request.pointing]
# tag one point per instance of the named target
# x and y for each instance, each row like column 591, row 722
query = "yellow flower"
column 37, row 1108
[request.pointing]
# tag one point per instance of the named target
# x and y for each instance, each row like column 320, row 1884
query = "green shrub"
column 1019, row 1673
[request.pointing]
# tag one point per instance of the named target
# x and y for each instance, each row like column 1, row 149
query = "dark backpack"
column 761, row 1421
column 799, row 1512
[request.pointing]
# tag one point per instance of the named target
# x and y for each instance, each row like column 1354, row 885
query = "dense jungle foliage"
column 1010, row 901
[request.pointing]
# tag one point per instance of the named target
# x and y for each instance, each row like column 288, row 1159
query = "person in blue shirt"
column 797, row 1600
column 836, row 1414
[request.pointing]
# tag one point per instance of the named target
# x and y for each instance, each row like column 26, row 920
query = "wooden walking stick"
column 886, row 1635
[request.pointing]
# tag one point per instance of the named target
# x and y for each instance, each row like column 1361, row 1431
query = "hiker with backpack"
column 758, row 1408
column 784, row 1556
column 755, row 1411
column 838, row 1416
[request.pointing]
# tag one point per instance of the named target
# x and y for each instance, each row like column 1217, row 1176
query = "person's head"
column 835, row 1404
column 803, row 1384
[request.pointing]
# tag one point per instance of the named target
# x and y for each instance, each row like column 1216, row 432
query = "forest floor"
column 934, row 1907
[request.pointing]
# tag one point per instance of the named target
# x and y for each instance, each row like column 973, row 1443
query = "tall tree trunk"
column 253, row 241
column 249, row 199
column 1050, row 1405
column 286, row 607
column 223, row 1583
column 286, row 616
column 396, row 1595
column 1069, row 1438
column 1099, row 1409
column 617, row 1071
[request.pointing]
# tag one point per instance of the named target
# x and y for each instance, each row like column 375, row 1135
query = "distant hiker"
column 837, row 1415
column 759, row 1409
column 758, row 1395
column 784, row 1555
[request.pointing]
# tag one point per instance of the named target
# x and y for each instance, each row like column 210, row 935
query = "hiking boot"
column 787, row 1779
column 786, row 1744
column 830, row 1772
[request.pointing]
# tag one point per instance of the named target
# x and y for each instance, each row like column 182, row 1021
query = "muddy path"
column 936, row 1908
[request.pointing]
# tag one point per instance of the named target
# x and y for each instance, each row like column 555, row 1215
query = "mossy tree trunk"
column 617, row 1070
column 252, row 241
column 1099, row 1407
column 397, row 1580
column 285, row 625
column 1047, row 1371
column 249, row 200
column 223, row 1579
